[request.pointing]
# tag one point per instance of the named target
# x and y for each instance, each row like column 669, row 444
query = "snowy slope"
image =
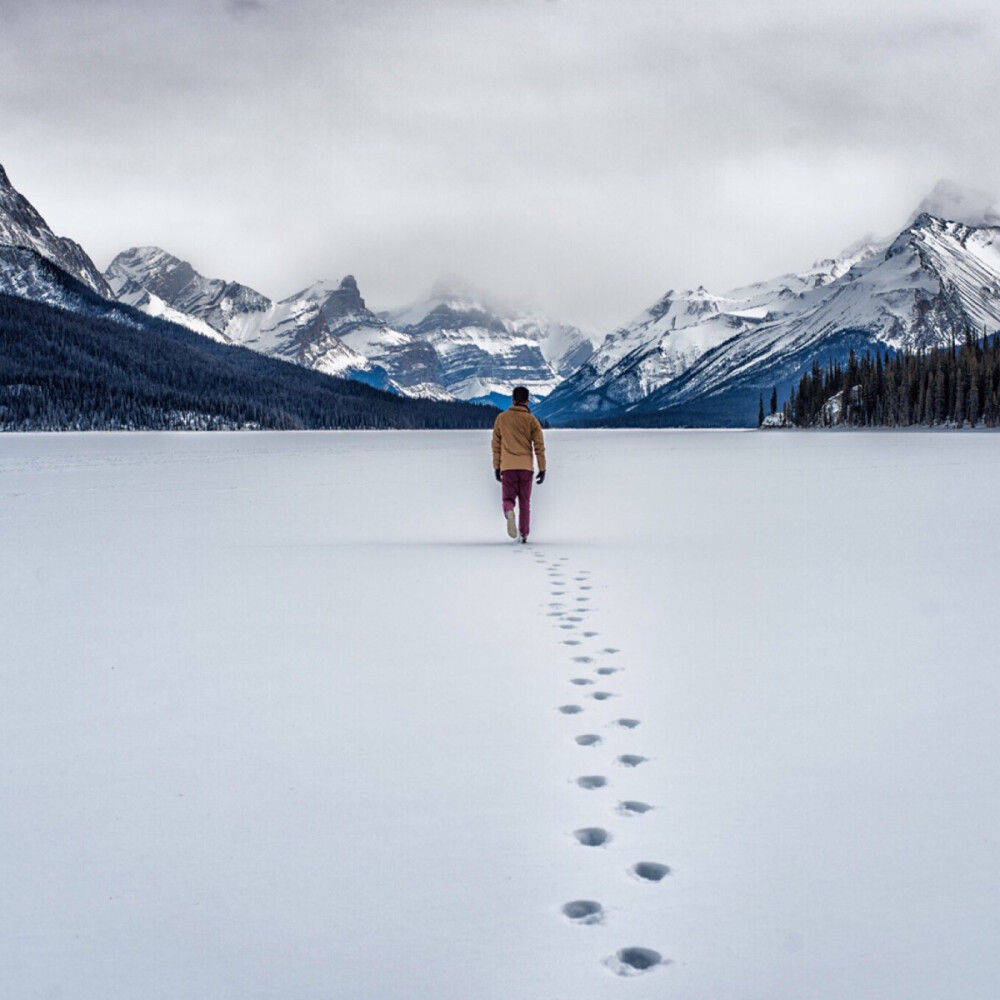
column 484, row 350
column 913, row 290
column 21, row 227
column 293, row 329
column 935, row 281
column 411, row 363
column 272, row 729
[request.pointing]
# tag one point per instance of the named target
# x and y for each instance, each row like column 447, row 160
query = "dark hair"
column 520, row 394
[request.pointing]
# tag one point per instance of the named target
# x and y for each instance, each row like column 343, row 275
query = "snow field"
column 282, row 718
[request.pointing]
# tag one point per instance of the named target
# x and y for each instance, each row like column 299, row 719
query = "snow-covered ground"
column 280, row 717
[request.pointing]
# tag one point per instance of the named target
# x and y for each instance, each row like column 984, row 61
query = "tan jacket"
column 515, row 433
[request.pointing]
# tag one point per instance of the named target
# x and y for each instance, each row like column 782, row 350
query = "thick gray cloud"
column 583, row 153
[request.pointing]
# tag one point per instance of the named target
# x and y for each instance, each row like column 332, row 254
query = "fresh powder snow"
column 288, row 716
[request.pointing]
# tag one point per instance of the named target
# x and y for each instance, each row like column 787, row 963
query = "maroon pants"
column 517, row 486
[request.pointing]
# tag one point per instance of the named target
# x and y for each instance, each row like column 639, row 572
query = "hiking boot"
column 523, row 539
column 511, row 526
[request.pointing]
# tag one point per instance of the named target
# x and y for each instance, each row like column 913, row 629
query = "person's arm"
column 538, row 443
column 496, row 447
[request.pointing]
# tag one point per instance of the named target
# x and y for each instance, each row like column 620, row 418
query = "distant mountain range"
column 451, row 346
column 695, row 358
column 73, row 356
column 692, row 358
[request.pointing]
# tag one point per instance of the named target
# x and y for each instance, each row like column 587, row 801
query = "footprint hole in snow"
column 587, row 740
column 583, row 659
column 581, row 680
column 630, row 759
column 627, row 723
column 634, row 961
column 590, row 635
column 610, row 649
column 583, row 911
column 571, row 642
column 650, row 871
column 602, row 695
column 592, row 836
column 591, row 781
column 570, row 709
column 607, row 671
column 632, row 807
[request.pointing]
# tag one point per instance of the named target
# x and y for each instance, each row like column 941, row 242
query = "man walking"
column 517, row 442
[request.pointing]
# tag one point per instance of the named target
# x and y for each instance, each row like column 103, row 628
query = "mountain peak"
column 22, row 227
column 956, row 202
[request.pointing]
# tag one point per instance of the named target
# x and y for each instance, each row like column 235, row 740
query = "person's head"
column 520, row 395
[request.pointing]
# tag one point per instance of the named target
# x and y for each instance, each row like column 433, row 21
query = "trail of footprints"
column 570, row 615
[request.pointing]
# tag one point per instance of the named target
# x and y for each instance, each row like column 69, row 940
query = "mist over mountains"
column 692, row 358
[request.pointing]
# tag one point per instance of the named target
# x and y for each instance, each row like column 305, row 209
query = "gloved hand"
column 497, row 471
column 540, row 478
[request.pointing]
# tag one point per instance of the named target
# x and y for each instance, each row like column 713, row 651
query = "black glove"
column 497, row 472
column 540, row 478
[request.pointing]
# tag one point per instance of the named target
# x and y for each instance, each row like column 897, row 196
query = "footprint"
column 594, row 836
column 556, row 614
column 630, row 759
column 569, row 627
column 556, row 604
column 592, row 781
column 610, row 649
column 570, row 709
column 607, row 671
column 557, row 593
column 588, row 740
column 590, row 635
column 634, row 961
column 582, row 600
column 583, row 659
column 581, row 680
column 626, row 723
column 583, row 911
column 574, row 618
column 631, row 807
column 648, row 871
column 571, row 642
column 602, row 695
column 586, row 588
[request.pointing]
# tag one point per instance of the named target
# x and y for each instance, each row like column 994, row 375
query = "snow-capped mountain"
column 25, row 237
column 411, row 363
column 935, row 281
column 294, row 329
column 484, row 350
column 708, row 357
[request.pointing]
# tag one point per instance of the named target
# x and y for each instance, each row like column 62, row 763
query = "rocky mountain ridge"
column 698, row 357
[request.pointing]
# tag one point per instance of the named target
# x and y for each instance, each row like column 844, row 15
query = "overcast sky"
column 583, row 154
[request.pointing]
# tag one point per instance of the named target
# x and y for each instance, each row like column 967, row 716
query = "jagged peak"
column 147, row 255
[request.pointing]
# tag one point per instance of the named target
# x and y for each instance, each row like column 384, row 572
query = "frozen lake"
column 281, row 718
